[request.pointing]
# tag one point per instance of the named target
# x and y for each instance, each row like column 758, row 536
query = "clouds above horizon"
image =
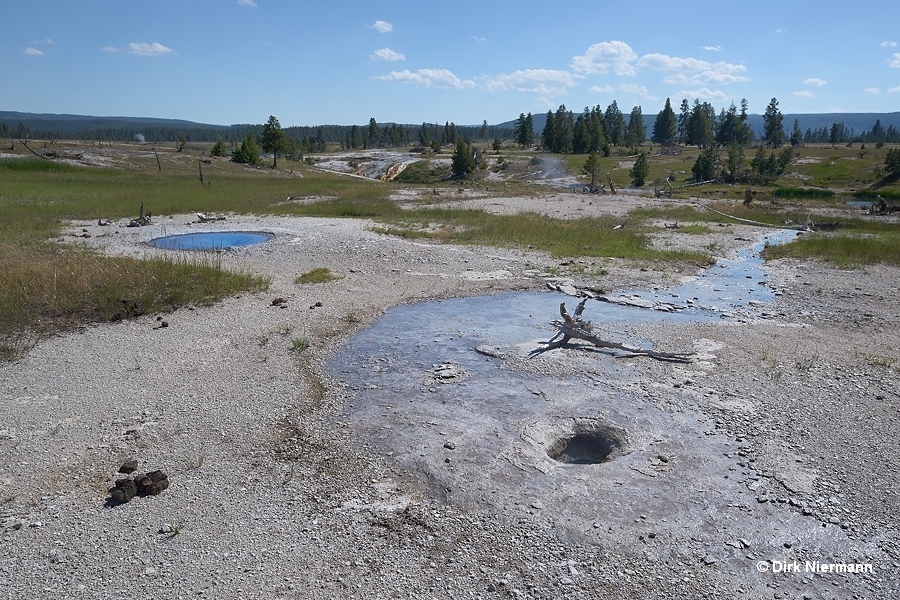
column 605, row 60
column 382, row 26
column 428, row 78
column 249, row 3
column 387, row 54
column 32, row 51
column 602, row 57
column 140, row 49
column 538, row 81
column 692, row 70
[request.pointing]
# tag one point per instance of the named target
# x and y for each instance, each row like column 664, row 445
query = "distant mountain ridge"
column 65, row 122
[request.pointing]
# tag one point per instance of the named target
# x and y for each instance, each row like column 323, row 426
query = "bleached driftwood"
column 142, row 220
column 206, row 218
column 575, row 327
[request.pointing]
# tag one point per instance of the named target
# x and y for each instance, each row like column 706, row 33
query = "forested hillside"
column 618, row 128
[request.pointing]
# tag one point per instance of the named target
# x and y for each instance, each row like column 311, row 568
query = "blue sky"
column 316, row 63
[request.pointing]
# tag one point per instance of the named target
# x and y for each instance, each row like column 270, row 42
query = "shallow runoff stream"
column 576, row 440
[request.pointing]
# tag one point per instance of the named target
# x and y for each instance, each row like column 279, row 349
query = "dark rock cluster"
column 147, row 484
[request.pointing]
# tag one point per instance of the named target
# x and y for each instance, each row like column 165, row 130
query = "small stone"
column 124, row 491
column 129, row 466
column 450, row 445
column 663, row 457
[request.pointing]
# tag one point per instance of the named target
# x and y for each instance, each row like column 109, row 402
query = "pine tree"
column 598, row 129
column 374, row 134
column 564, row 131
column 581, row 142
column 615, row 124
column 592, row 167
column 248, row 153
column 734, row 164
column 523, row 131
column 529, row 130
column 704, row 167
column 273, row 139
column 462, row 161
column 773, row 129
column 701, row 125
column 683, row 118
column 640, row 170
column 549, row 133
column 796, row 135
column 665, row 128
column 637, row 130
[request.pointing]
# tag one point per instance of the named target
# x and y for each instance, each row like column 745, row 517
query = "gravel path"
column 273, row 495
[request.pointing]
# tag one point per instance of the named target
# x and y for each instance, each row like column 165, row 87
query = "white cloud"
column 894, row 90
column 814, row 81
column 387, row 54
column 713, row 48
column 873, row 91
column 779, row 31
column 249, row 3
column 683, row 71
column 480, row 40
column 601, row 89
column 805, row 94
column 546, row 103
column 428, row 78
column 637, row 90
column 43, row 42
column 705, row 94
column 895, row 61
column 110, row 49
column 32, row 51
column 539, row 81
column 889, row 44
column 382, row 26
column 602, row 57
column 144, row 49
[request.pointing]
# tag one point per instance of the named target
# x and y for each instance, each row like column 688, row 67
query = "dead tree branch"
column 575, row 327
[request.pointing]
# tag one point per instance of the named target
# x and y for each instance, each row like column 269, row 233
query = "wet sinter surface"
column 446, row 390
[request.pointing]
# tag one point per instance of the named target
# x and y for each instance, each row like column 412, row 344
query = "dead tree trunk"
column 574, row 327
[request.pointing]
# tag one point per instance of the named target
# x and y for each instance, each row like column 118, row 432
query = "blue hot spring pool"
column 211, row 240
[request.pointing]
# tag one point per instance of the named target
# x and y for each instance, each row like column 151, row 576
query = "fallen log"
column 575, row 327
